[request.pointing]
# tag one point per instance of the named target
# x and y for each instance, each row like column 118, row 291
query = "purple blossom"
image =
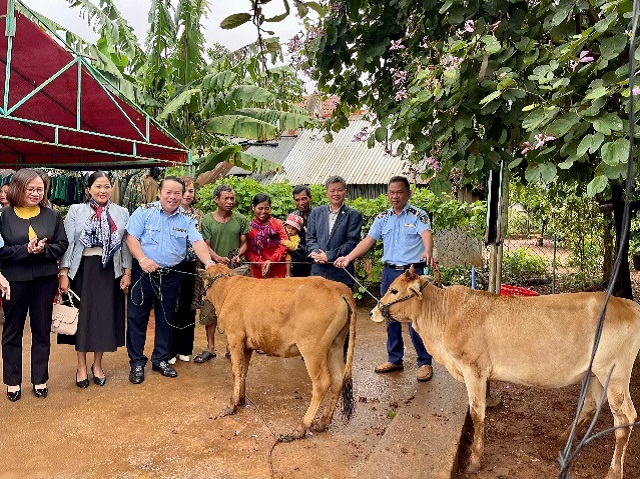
column 469, row 26
column 584, row 57
column 450, row 62
column 397, row 45
column 401, row 94
column 527, row 147
column 433, row 163
column 635, row 91
column 361, row 136
column 541, row 139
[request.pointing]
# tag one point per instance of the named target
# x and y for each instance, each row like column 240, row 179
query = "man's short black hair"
column 301, row 189
column 221, row 188
column 171, row 178
column 400, row 179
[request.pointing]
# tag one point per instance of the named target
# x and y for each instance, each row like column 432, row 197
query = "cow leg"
column 336, row 372
column 239, row 365
column 589, row 408
column 623, row 413
column 477, row 392
column 320, row 382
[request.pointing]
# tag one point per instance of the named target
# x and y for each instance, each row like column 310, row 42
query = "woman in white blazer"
column 97, row 267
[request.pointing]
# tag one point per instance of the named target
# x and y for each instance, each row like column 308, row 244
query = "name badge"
column 409, row 225
column 181, row 230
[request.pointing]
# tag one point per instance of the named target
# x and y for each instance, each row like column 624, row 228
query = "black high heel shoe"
column 84, row 384
column 40, row 393
column 99, row 381
column 15, row 395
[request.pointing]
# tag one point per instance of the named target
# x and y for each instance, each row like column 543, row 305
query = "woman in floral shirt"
column 266, row 252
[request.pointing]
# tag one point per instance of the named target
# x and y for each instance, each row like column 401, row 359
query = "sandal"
column 203, row 357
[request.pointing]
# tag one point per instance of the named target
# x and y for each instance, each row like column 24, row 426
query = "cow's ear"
column 416, row 288
column 203, row 274
column 427, row 277
column 410, row 273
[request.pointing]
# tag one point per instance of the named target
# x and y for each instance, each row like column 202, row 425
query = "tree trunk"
column 622, row 286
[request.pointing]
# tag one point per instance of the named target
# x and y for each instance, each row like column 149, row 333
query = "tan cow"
column 289, row 317
column 542, row 341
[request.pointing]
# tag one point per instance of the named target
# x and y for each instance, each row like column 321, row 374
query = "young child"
column 292, row 226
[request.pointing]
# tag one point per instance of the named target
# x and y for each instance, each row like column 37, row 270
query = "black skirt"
column 101, row 321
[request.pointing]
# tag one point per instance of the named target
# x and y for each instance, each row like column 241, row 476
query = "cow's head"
column 214, row 272
column 407, row 286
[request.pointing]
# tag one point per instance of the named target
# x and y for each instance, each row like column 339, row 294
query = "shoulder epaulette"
column 146, row 206
column 384, row 213
column 421, row 215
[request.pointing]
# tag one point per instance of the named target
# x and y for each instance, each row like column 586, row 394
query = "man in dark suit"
column 333, row 230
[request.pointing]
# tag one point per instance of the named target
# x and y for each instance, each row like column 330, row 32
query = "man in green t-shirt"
column 224, row 231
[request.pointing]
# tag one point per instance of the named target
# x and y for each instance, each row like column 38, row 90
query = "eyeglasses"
column 37, row 191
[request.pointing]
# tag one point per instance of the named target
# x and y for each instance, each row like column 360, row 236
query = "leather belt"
column 404, row 267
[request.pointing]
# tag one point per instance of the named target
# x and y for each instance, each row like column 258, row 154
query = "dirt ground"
column 168, row 428
column 521, row 433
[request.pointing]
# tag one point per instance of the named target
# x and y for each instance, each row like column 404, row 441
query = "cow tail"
column 348, row 403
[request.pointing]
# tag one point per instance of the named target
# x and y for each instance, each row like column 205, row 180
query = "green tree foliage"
column 541, row 85
column 205, row 98
column 465, row 85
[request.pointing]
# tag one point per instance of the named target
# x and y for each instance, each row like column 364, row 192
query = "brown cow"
column 542, row 341
column 288, row 317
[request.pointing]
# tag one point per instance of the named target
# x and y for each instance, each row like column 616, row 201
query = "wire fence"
column 567, row 251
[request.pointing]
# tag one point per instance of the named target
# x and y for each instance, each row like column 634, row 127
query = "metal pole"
column 553, row 266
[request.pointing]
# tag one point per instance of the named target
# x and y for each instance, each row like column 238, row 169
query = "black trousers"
column 159, row 289
column 36, row 297
column 185, row 319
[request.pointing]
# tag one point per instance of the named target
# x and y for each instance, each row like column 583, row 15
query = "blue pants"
column 161, row 289
column 395, row 345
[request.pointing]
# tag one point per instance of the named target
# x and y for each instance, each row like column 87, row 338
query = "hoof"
column 493, row 401
column 317, row 427
column 472, row 467
column 242, row 402
column 228, row 411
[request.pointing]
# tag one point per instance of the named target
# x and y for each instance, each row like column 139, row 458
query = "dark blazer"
column 338, row 242
column 18, row 265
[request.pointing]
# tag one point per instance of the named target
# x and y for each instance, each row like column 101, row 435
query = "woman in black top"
column 34, row 241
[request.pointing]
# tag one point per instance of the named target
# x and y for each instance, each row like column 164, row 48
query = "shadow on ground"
column 168, row 428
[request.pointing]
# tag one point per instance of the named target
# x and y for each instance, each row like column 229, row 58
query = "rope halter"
column 384, row 308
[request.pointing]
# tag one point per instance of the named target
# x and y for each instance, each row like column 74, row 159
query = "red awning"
column 72, row 120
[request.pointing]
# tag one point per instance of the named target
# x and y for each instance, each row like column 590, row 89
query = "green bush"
column 521, row 264
column 446, row 211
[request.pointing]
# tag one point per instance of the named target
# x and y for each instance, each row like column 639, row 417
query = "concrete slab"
column 169, row 428
column 423, row 439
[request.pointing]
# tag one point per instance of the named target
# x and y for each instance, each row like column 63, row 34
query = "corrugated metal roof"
column 275, row 151
column 311, row 160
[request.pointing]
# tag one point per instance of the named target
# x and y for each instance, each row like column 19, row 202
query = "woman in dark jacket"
column 34, row 241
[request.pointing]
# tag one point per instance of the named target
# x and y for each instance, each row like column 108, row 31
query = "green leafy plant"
column 521, row 264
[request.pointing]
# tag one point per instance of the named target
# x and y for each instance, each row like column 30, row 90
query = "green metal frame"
column 79, row 62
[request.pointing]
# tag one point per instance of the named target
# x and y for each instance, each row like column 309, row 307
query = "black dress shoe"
column 99, row 381
column 84, row 384
column 165, row 368
column 15, row 395
column 40, row 393
column 136, row 376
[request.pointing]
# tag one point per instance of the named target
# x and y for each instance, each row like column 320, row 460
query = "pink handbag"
column 64, row 319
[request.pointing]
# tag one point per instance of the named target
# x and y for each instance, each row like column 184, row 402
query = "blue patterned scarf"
column 101, row 230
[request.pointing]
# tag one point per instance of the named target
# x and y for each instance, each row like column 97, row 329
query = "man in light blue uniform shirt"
column 157, row 236
column 406, row 236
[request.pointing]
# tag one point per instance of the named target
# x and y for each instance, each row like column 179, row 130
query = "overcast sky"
column 136, row 14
